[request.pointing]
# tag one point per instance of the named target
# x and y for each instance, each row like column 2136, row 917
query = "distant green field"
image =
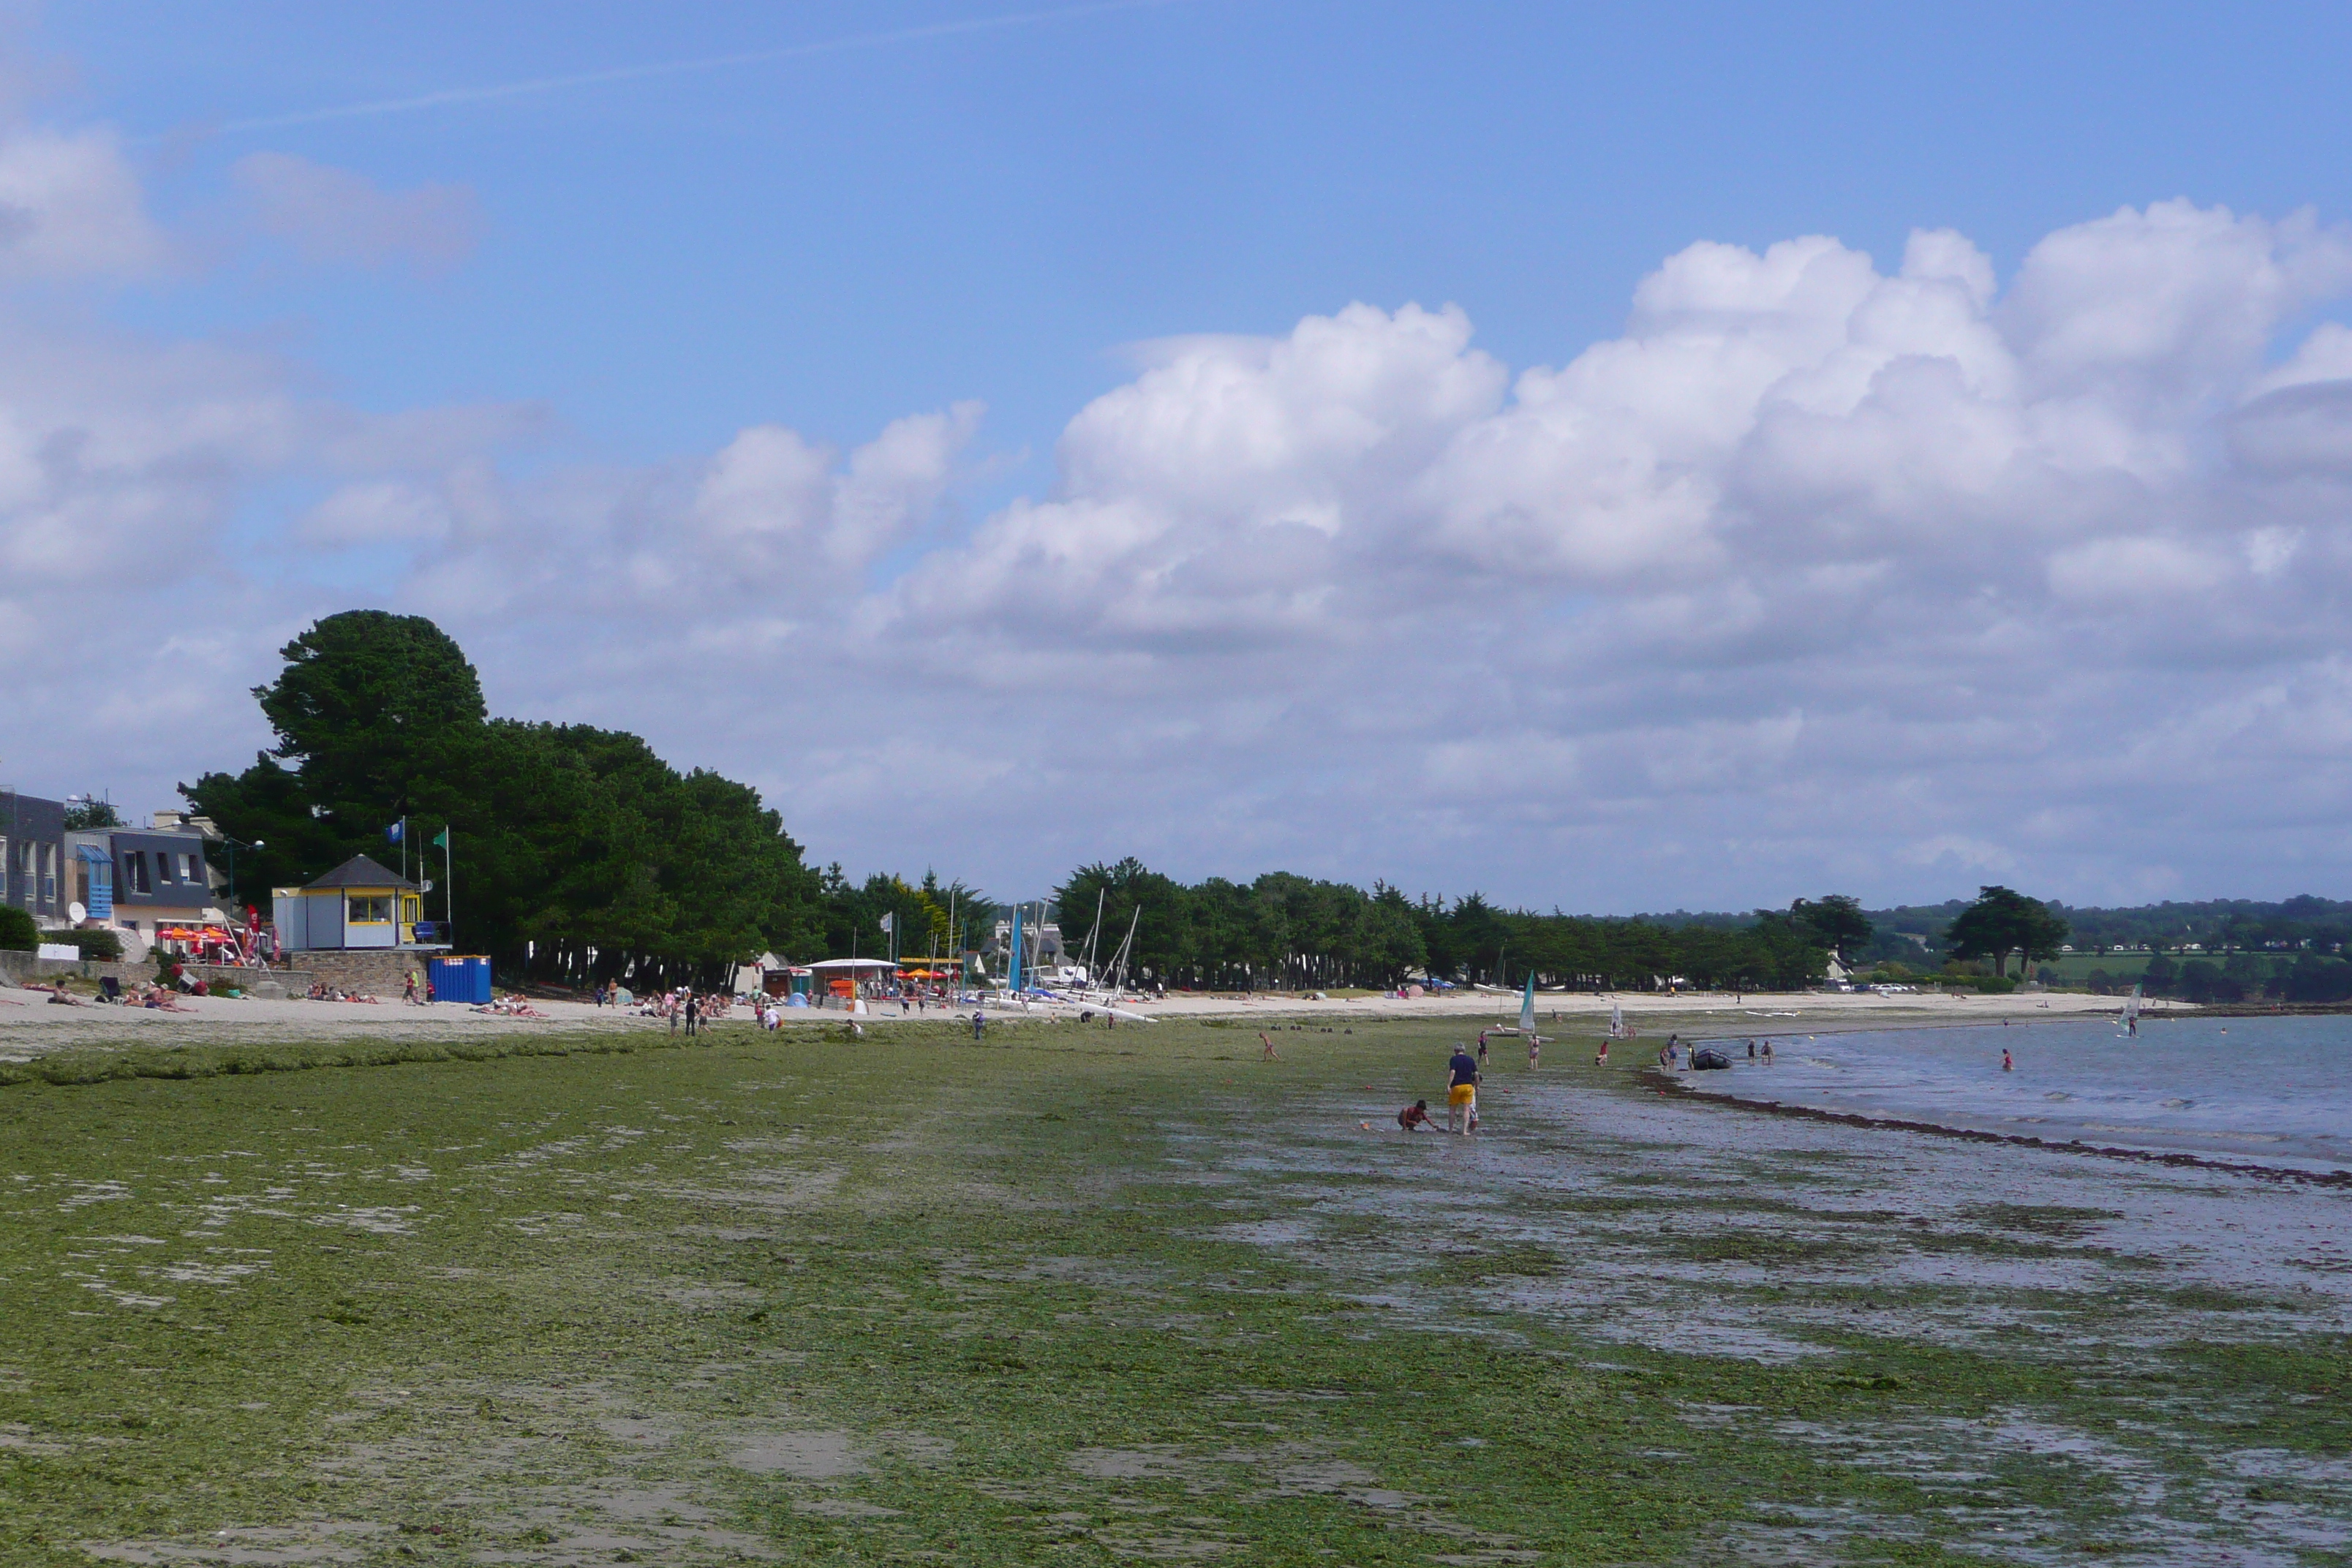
column 2074, row 968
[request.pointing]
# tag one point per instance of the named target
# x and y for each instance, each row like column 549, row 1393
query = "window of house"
column 135, row 872
column 370, row 911
column 48, row 873
column 188, row 869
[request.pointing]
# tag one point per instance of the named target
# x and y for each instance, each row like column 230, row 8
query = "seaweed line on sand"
column 72, row 1068
column 1661, row 1084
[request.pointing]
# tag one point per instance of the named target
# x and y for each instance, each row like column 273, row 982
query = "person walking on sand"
column 1267, row 1052
column 1482, row 1050
column 1462, row 1089
column 1535, row 1053
column 408, row 989
column 1601, row 1056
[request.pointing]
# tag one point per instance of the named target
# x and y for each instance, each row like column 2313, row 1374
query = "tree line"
column 1287, row 932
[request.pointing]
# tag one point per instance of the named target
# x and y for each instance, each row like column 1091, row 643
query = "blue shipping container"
column 460, row 979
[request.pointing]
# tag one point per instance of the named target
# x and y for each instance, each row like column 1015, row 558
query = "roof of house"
column 359, row 871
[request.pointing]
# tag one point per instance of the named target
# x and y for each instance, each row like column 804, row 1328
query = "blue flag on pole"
column 391, row 834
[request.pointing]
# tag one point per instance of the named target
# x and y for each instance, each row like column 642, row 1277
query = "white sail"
column 1616, row 1022
column 2131, row 1009
column 1528, row 1006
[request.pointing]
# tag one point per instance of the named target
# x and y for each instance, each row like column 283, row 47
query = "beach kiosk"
column 845, row 979
column 359, row 904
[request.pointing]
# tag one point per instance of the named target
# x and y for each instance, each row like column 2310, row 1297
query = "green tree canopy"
column 577, row 853
column 87, row 816
column 2002, row 922
column 1836, row 922
column 366, row 697
column 1287, row 930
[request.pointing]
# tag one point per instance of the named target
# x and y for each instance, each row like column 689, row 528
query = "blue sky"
column 830, row 240
column 968, row 380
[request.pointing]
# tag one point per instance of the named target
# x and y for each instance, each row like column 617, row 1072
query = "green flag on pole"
column 441, row 839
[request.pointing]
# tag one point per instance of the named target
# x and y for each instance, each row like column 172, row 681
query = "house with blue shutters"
column 141, row 881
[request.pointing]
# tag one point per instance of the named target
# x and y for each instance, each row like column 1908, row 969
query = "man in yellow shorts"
column 1462, row 1089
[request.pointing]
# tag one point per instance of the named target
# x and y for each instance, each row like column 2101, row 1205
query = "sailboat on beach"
column 2131, row 1015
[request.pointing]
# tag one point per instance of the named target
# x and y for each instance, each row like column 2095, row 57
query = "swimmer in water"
column 2007, row 1065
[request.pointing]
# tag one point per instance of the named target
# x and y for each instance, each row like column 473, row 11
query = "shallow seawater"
column 2274, row 1091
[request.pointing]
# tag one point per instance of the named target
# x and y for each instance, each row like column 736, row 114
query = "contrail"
column 457, row 95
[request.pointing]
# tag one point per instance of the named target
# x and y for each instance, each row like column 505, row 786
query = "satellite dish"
column 76, row 913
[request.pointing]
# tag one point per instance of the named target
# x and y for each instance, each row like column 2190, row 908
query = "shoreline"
column 1658, row 1081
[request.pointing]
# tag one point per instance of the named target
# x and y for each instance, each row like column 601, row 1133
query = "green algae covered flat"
column 1077, row 1295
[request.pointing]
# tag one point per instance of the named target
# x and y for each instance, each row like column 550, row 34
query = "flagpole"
column 448, row 891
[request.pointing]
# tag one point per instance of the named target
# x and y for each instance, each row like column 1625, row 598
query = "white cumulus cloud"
column 1824, row 573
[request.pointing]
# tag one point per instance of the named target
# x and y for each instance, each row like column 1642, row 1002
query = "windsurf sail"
column 1527, row 1006
column 1616, row 1022
column 2131, row 1012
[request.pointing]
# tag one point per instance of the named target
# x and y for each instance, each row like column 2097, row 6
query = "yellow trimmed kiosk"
column 359, row 904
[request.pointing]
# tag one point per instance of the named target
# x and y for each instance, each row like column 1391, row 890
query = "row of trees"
column 1283, row 930
column 2236, row 977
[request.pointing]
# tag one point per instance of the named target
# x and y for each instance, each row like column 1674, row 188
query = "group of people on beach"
column 152, row 995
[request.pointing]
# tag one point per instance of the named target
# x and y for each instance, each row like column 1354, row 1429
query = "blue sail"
column 1015, row 968
column 1527, row 1006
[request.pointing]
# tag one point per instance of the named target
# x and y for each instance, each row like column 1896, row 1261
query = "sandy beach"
column 31, row 1026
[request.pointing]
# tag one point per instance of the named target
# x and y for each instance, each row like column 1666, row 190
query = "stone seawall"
column 379, row 972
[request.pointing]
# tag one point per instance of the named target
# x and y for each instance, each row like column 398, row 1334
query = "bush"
column 2101, row 983
column 17, row 932
column 99, row 943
